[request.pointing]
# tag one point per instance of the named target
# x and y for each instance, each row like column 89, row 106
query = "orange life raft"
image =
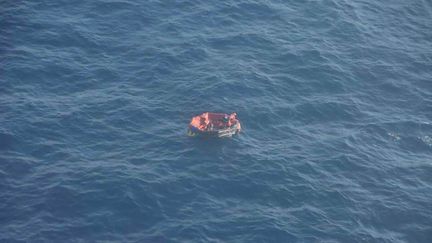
column 214, row 125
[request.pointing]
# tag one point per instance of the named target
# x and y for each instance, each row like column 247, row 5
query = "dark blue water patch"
column 6, row 140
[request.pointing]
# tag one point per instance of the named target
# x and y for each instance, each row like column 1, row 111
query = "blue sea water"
column 335, row 99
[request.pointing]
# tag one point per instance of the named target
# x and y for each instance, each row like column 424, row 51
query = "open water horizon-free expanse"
column 335, row 100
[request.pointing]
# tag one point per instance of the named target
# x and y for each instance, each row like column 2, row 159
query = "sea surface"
column 334, row 96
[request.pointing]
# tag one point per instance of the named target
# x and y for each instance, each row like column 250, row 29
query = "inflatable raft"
column 214, row 125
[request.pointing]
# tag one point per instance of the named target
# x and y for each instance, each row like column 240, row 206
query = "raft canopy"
column 210, row 123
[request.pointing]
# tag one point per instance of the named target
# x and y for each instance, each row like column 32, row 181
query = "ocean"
column 334, row 97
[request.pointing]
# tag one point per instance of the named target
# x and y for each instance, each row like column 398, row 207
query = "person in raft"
column 230, row 120
column 225, row 120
